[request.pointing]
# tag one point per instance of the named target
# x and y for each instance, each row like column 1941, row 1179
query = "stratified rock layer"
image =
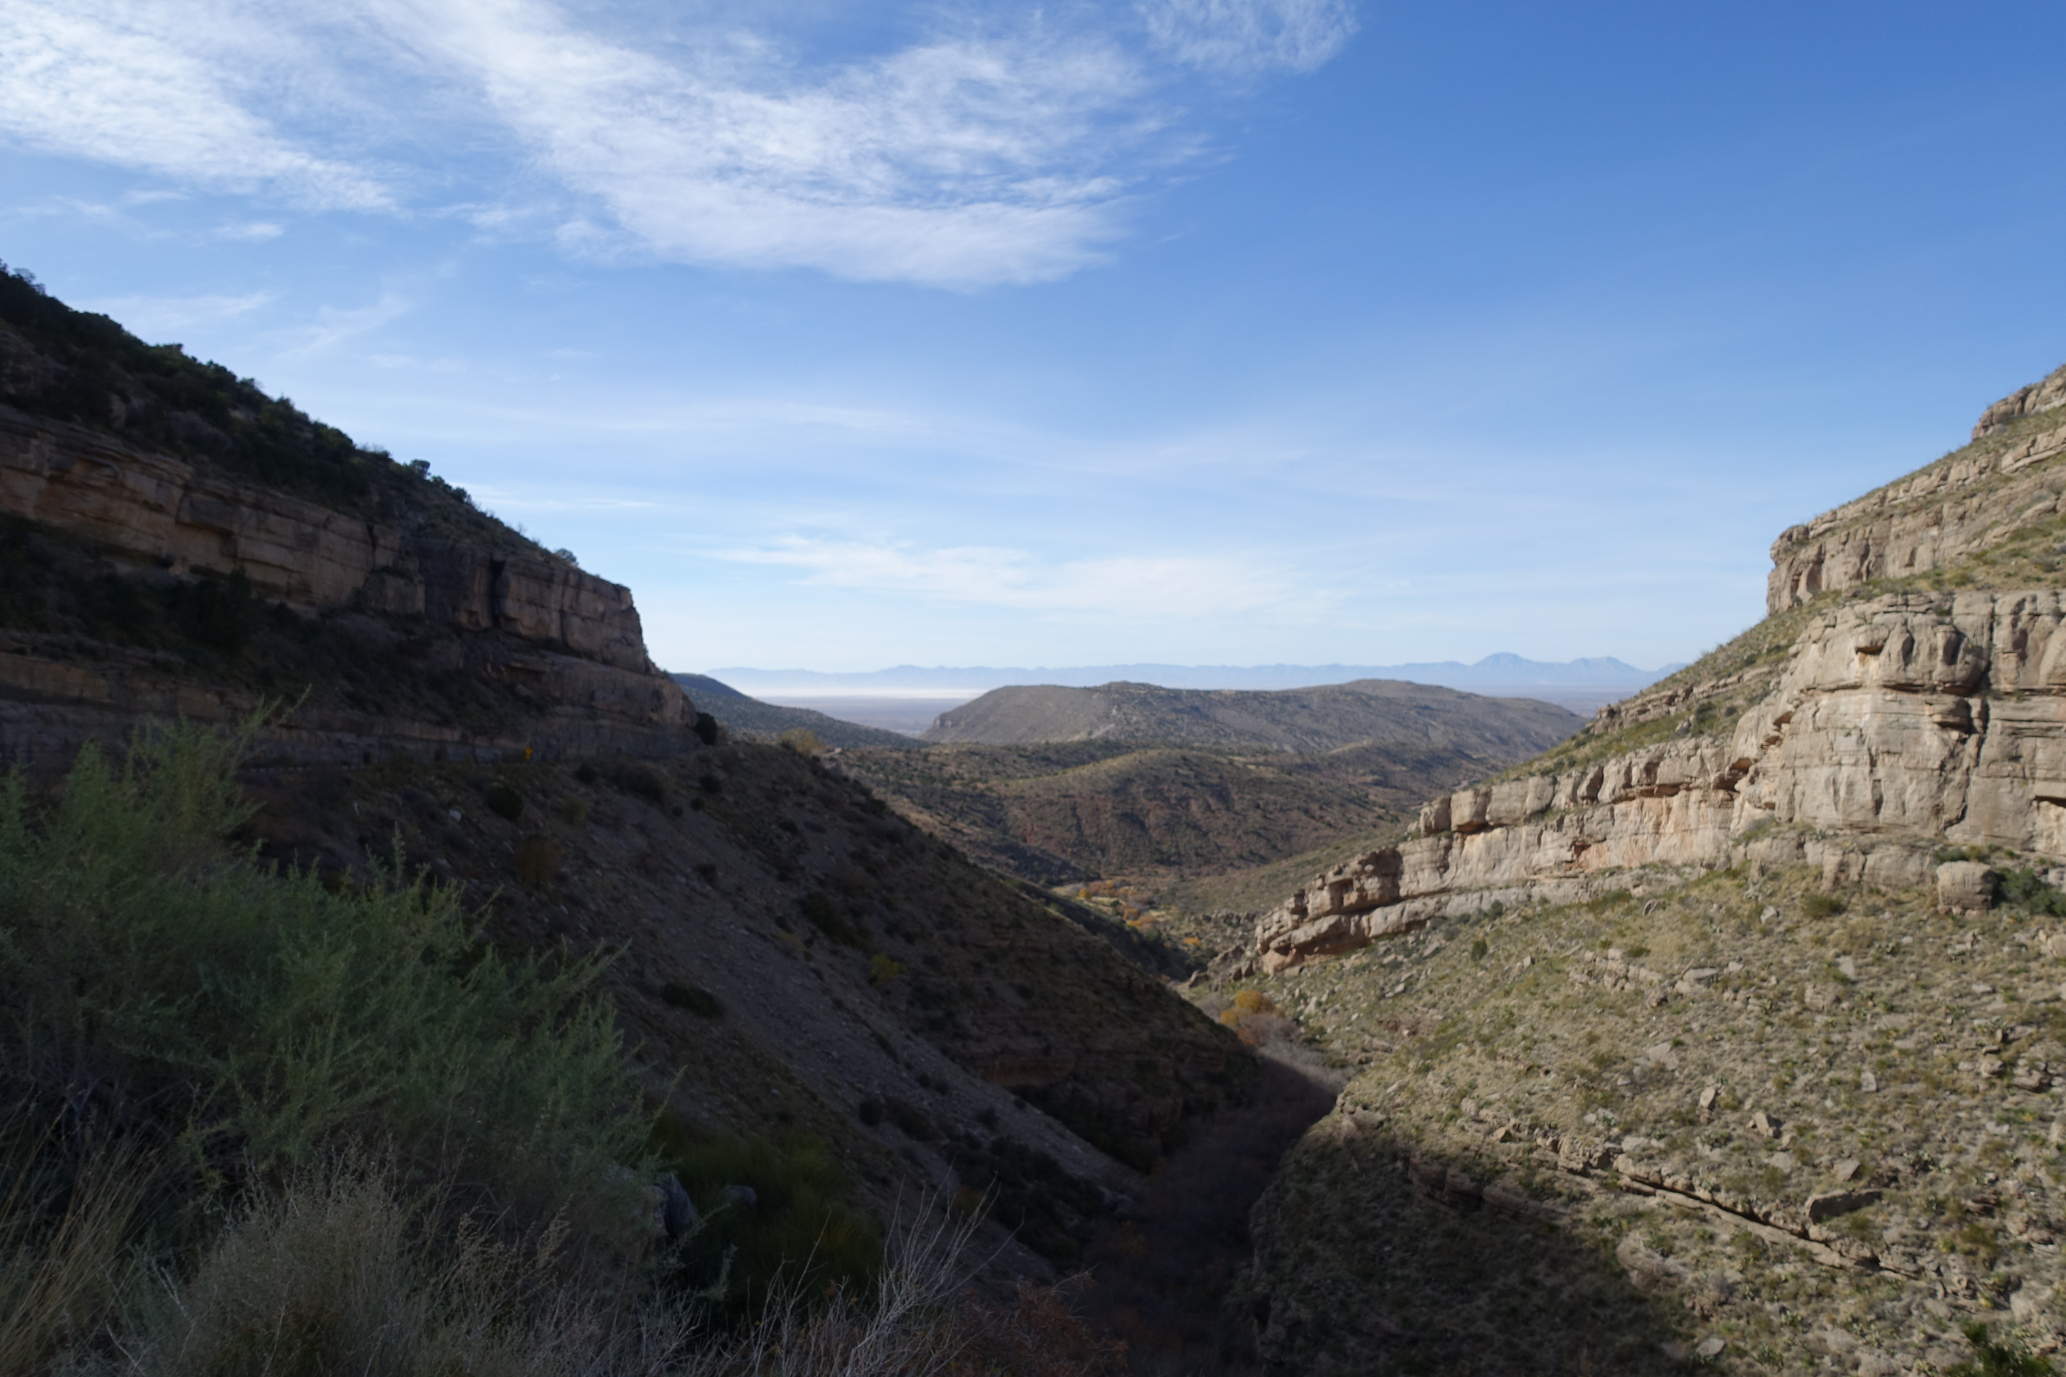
column 150, row 510
column 1933, row 518
column 1800, row 1114
column 1895, row 723
column 569, row 642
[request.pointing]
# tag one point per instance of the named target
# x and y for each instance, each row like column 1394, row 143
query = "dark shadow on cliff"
column 1164, row 1273
column 1375, row 1257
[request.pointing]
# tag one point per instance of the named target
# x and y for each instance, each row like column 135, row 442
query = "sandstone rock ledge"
column 1898, row 724
column 148, row 510
column 433, row 591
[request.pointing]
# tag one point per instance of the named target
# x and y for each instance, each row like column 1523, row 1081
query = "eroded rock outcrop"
column 2024, row 401
column 152, row 511
column 1886, row 727
column 1935, row 517
column 472, row 642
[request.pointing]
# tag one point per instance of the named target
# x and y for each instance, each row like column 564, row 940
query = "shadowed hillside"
column 483, row 985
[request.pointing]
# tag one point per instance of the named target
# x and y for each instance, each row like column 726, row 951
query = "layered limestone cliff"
column 149, row 511
column 433, row 596
column 2007, row 479
column 1859, row 735
column 1739, row 1044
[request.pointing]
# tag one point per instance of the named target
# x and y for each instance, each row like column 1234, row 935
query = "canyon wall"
column 457, row 598
column 2006, row 480
column 150, row 510
column 1873, row 733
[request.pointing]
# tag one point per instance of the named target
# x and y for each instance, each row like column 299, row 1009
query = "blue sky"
column 1207, row 331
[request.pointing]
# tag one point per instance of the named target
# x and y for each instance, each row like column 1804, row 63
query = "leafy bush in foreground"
column 261, row 1019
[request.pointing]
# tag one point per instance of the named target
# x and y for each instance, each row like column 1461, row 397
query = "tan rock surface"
column 2009, row 477
column 1897, row 724
column 492, row 613
column 150, row 510
column 2024, row 401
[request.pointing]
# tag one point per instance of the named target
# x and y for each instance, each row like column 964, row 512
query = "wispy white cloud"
column 1250, row 36
column 104, row 86
column 1145, row 585
column 986, row 151
column 541, row 500
column 162, row 317
column 334, row 325
column 417, row 363
column 959, row 161
column 250, row 231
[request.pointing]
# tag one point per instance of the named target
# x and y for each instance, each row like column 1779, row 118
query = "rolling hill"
column 1187, row 784
column 750, row 717
column 1581, row 684
column 1373, row 711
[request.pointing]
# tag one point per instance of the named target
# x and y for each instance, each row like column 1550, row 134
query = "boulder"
column 1966, row 887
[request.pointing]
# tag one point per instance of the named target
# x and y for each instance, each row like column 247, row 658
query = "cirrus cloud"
column 1251, row 36
column 981, row 151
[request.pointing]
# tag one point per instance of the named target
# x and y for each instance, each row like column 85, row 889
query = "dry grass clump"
column 61, row 1244
column 340, row 1272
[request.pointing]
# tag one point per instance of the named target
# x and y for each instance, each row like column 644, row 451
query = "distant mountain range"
column 1581, row 684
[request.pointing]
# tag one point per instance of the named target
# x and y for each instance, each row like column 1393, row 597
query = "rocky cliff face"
column 149, row 511
column 484, row 610
column 2005, row 480
column 1858, row 735
column 2024, row 401
column 1738, row 1044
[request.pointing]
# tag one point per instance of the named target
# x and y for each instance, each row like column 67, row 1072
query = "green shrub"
column 641, row 781
column 1822, row 906
column 2027, row 890
column 706, row 729
column 801, row 740
column 537, row 862
column 824, row 915
column 264, row 1017
column 1992, row 1358
column 773, row 1213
